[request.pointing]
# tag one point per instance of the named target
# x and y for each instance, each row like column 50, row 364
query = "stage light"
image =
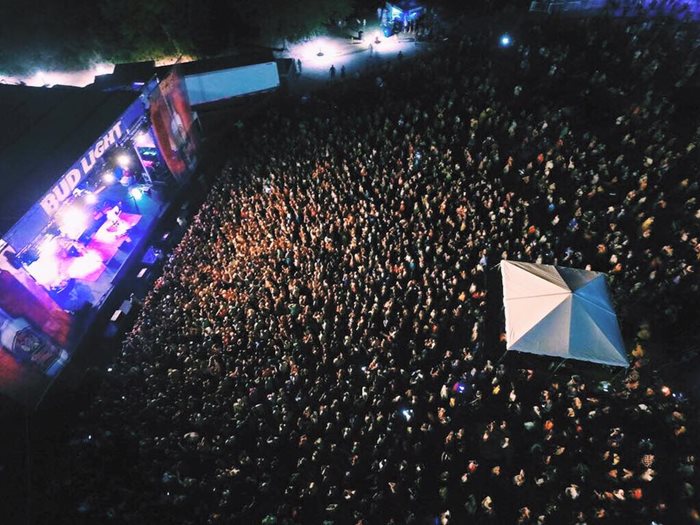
column 48, row 246
column 505, row 40
column 104, row 69
column 108, row 177
column 407, row 414
column 123, row 160
column 90, row 198
column 143, row 140
column 78, row 78
column 318, row 53
column 73, row 216
column 40, row 78
column 389, row 46
column 136, row 193
column 73, row 222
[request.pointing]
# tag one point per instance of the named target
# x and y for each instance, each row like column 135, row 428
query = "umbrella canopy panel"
column 560, row 312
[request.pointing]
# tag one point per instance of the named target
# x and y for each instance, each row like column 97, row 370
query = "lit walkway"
column 319, row 54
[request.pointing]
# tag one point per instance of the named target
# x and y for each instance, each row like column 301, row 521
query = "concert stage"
column 76, row 272
column 123, row 157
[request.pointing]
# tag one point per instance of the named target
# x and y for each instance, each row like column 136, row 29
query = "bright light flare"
column 123, row 160
column 390, row 45
column 90, row 198
column 104, row 69
column 143, row 140
column 170, row 60
column 319, row 52
column 86, row 264
column 505, row 40
column 78, row 78
column 73, row 222
column 48, row 246
column 136, row 193
column 108, row 177
column 40, row 78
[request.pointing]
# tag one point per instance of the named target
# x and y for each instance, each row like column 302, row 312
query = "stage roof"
column 46, row 130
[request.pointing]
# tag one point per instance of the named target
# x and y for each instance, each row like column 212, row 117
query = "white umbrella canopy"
column 560, row 312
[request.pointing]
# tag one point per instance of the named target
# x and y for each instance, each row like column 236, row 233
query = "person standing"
column 342, row 71
column 299, row 66
column 332, row 71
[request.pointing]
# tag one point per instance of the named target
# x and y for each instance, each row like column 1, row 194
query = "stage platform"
column 84, row 272
column 106, row 252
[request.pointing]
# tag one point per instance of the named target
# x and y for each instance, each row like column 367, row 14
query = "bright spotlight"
column 123, row 160
column 90, row 198
column 109, row 177
column 136, row 193
column 318, row 53
column 104, row 69
column 73, row 216
column 143, row 140
column 73, row 222
column 505, row 40
column 48, row 246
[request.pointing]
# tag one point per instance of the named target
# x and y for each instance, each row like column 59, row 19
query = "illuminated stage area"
column 79, row 266
column 78, row 232
column 78, row 256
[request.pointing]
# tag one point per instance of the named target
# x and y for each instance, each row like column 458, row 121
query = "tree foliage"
column 38, row 34
column 51, row 34
column 282, row 19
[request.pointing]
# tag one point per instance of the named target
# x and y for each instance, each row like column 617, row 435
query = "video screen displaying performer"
column 172, row 123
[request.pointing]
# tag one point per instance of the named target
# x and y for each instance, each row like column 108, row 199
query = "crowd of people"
column 319, row 349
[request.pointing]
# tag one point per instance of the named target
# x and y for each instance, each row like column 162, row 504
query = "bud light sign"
column 63, row 189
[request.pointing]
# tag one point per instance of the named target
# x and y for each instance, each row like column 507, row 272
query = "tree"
column 40, row 34
column 277, row 20
column 45, row 34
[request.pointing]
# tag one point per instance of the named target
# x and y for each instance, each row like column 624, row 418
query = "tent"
column 560, row 312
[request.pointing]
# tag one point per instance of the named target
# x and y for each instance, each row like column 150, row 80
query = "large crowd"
column 317, row 349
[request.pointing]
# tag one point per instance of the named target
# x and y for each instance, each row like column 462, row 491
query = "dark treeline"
column 45, row 34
